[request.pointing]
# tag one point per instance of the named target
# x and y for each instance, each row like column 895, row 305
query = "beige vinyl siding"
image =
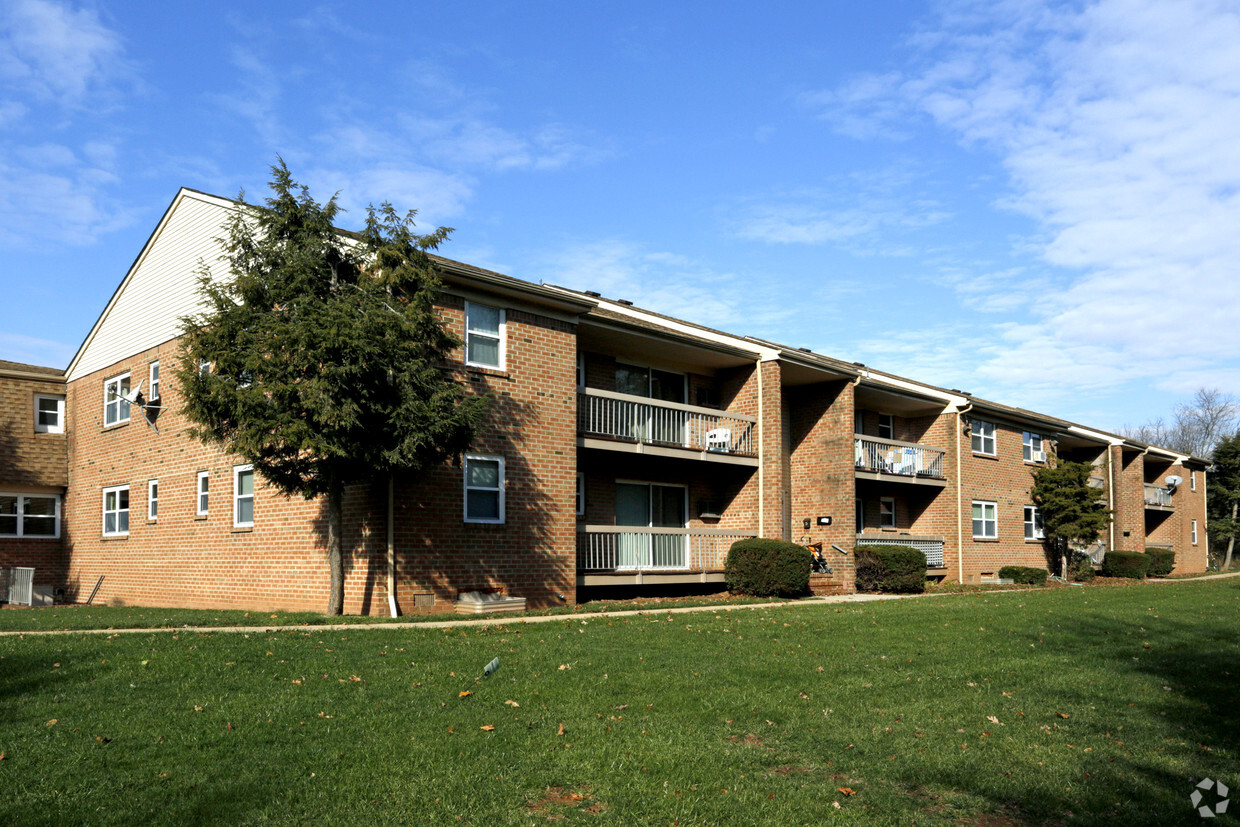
column 160, row 288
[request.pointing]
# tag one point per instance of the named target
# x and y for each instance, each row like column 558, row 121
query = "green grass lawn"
column 58, row 618
column 1045, row 706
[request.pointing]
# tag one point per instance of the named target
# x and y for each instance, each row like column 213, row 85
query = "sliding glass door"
column 648, row 505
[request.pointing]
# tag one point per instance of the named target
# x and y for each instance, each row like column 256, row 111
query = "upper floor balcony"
column 638, row 424
column 1157, row 497
column 889, row 459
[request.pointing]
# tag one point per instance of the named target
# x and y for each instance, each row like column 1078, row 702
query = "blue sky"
column 1038, row 203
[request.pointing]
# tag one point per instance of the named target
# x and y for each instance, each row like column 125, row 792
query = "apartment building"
column 621, row 448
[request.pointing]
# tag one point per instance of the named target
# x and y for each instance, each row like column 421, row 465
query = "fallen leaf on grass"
column 835, row 804
column 993, row 719
column 487, row 727
column 463, row 694
column 848, row 791
column 512, row 703
column 355, row 679
column 561, row 730
column 1063, row 715
column 52, row 722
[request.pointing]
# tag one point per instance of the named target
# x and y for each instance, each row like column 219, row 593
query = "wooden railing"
column 632, row 548
column 1157, row 495
column 932, row 547
column 906, row 459
column 630, row 418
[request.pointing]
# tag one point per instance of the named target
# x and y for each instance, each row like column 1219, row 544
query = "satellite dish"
column 131, row 396
column 1173, row 480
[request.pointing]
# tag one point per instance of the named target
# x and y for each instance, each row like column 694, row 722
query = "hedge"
column 1162, row 561
column 1130, row 564
column 890, row 569
column 766, row 568
column 1024, row 574
column 1083, row 571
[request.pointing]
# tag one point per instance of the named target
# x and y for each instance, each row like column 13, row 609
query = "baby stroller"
column 819, row 563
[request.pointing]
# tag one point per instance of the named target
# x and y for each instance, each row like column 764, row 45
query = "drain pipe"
column 959, row 502
column 761, row 456
column 391, row 544
column 1111, row 494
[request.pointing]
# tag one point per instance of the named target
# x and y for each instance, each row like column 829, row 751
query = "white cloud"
column 34, row 351
column 1117, row 123
column 52, row 50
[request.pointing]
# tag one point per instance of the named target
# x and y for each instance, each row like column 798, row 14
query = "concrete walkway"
column 500, row 619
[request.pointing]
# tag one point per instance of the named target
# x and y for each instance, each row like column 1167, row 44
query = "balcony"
column 889, row 459
column 653, row 555
column 1158, row 497
column 635, row 424
column 932, row 547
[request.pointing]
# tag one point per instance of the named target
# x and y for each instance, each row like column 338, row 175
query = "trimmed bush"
column 766, row 568
column 1082, row 571
column 1162, row 561
column 1024, row 574
column 890, row 569
column 1130, row 564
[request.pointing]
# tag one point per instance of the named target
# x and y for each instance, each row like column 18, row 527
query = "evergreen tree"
column 1223, row 495
column 1072, row 517
column 325, row 354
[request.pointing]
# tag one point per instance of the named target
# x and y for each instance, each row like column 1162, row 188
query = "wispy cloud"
column 1117, row 124
column 34, row 351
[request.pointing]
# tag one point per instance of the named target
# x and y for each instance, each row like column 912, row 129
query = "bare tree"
column 1196, row 426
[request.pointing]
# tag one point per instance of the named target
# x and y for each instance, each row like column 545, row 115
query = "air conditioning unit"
column 1039, row 456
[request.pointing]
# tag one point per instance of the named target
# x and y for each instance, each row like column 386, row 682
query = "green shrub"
column 1130, row 564
column 890, row 569
column 1162, row 561
column 1082, row 571
column 1024, row 574
column 768, row 567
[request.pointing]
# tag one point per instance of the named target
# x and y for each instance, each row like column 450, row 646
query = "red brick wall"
column 181, row 560
column 28, row 458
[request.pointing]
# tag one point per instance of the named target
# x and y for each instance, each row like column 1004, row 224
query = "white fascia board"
column 951, row 400
column 1095, row 435
column 766, row 354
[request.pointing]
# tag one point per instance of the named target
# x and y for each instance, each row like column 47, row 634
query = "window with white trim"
column 484, row 335
column 30, row 515
column 152, row 500
column 243, row 496
column 153, row 381
column 1034, row 530
column 1194, row 532
column 985, row 520
column 1031, row 445
column 204, row 367
column 581, row 494
column 887, row 512
column 484, row 489
column 203, row 492
column 983, row 437
column 116, row 511
column 49, row 414
column 886, row 426
column 115, row 405
column 1192, row 480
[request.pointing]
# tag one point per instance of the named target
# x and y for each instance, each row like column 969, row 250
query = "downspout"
column 761, row 456
column 855, row 381
column 959, row 502
column 391, row 544
column 1111, row 493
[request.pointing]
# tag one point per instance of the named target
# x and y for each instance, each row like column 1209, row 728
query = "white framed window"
column 985, row 520
column 983, row 437
column 581, row 494
column 30, row 515
column 152, row 500
column 1034, row 529
column 116, row 511
column 887, row 512
column 115, row 405
column 484, row 335
column 243, row 496
column 1194, row 532
column 1031, row 446
column 204, row 367
column 153, row 380
column 1192, row 480
column 484, row 489
column 886, row 426
column 203, row 492
column 49, row 414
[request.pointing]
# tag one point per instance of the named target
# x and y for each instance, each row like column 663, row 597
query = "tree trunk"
column 1231, row 541
column 335, row 556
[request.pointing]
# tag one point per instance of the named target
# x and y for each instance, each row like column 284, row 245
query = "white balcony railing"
column 906, row 459
column 932, row 547
column 638, row 419
column 628, row 548
column 1157, row 495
